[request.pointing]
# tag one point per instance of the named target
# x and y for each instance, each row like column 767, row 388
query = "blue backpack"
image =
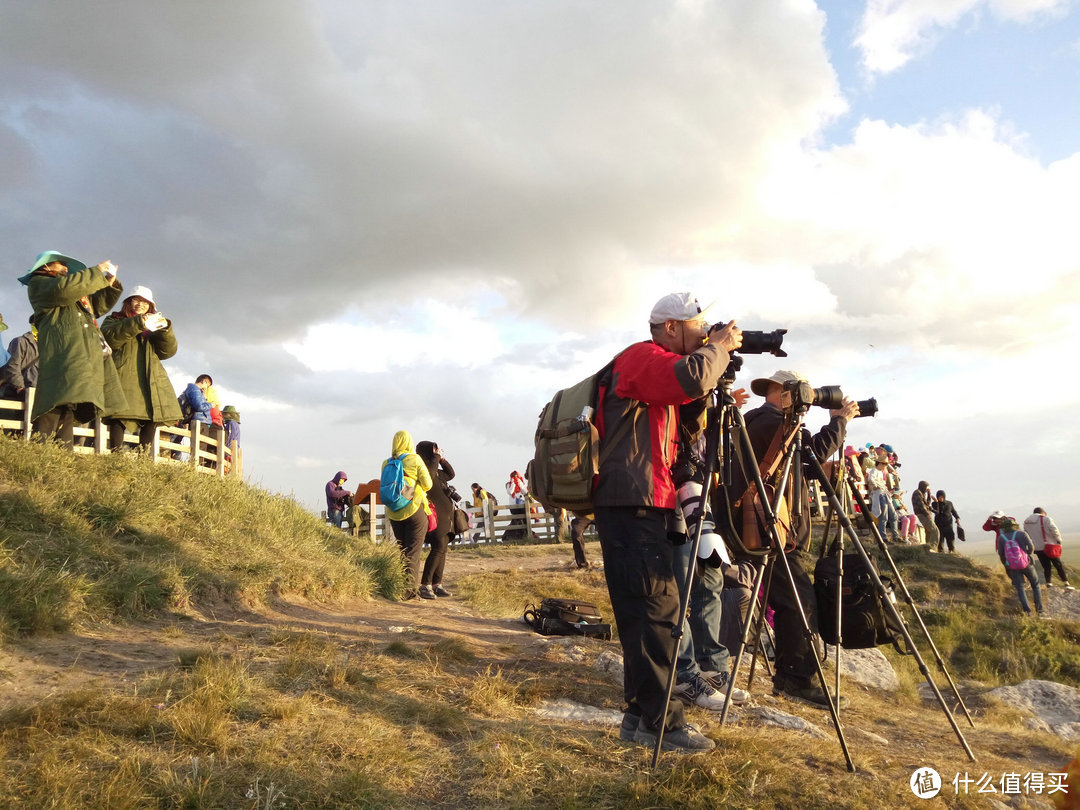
column 393, row 491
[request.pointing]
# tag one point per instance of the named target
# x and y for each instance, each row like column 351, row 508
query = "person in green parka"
column 140, row 338
column 77, row 380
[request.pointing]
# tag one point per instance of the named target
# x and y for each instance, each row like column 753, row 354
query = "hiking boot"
column 628, row 727
column 441, row 591
column 685, row 740
column 426, row 592
column 811, row 695
column 697, row 692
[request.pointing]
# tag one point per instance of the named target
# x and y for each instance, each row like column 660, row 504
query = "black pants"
column 59, row 423
column 1048, row 561
column 577, row 531
column 436, row 558
column 117, row 429
column 794, row 661
column 410, row 534
column 945, row 535
column 645, row 600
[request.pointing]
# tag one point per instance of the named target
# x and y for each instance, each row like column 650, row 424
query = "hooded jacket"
column 21, row 369
column 416, row 473
column 335, row 494
column 137, row 355
column 73, row 368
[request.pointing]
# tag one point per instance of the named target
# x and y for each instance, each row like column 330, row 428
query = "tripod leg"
column 883, row 547
column 889, row 606
column 754, row 618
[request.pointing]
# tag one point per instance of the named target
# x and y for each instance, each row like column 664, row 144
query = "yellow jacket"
column 416, row 474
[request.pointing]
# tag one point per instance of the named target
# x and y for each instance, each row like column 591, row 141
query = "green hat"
column 229, row 412
column 73, row 265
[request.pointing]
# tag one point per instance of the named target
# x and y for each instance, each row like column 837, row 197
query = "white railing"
column 196, row 445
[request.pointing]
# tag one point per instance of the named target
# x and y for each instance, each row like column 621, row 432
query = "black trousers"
column 59, row 423
column 410, row 534
column 436, row 558
column 794, row 662
column 1048, row 561
column 645, row 599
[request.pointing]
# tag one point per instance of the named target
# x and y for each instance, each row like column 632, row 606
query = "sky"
column 371, row 216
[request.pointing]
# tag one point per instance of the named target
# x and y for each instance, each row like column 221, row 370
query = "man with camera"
column 768, row 426
column 634, row 501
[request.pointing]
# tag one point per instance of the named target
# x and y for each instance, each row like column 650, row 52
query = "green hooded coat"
column 73, row 366
column 138, row 355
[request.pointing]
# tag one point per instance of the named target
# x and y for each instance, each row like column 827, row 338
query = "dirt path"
column 44, row 666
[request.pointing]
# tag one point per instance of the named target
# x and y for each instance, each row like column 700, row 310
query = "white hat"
column 997, row 514
column 142, row 292
column 676, row 307
column 760, row 386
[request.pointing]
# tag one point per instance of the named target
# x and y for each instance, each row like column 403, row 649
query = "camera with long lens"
column 453, row 493
column 799, row 395
column 759, row 342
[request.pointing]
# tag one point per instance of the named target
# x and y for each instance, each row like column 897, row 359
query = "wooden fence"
column 205, row 450
column 490, row 524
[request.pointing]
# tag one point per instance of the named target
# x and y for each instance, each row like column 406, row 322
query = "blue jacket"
column 193, row 400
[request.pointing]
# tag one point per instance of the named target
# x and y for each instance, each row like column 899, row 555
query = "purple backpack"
column 1016, row 559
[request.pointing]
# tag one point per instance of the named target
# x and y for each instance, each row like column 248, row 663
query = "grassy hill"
column 169, row 639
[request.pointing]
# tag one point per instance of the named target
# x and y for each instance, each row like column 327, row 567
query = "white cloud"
column 893, row 32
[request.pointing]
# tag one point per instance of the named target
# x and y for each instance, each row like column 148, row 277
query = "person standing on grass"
column 944, row 515
column 921, row 506
column 336, row 498
column 441, row 472
column 634, row 500
column 410, row 523
column 1046, row 538
column 77, row 381
column 140, row 338
column 1016, row 552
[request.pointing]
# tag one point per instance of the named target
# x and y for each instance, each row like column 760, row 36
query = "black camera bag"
column 864, row 619
column 566, row 617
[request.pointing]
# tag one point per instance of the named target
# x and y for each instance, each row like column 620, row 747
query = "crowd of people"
column 85, row 363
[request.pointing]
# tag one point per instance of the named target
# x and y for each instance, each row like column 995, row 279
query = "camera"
column 799, row 395
column 759, row 342
column 453, row 493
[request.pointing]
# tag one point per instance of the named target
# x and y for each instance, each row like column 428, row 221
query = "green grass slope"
column 87, row 538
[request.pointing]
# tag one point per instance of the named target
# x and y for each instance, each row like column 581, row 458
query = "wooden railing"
column 491, row 524
column 204, row 451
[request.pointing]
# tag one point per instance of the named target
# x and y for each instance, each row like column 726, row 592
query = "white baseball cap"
column 681, row 306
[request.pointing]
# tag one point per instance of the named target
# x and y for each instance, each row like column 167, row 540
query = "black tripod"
column 722, row 420
column 881, row 591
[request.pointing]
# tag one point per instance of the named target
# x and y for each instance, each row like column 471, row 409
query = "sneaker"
column 628, row 727
column 697, row 692
column 685, row 740
column 409, row 594
column 720, row 684
column 441, row 591
column 426, row 592
column 1069, row 587
column 811, row 695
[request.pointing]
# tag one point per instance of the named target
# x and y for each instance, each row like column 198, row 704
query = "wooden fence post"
column 99, row 437
column 489, row 520
column 373, row 523
column 194, row 428
column 31, row 394
column 155, row 444
column 220, row 452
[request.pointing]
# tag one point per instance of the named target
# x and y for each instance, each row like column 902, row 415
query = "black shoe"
column 426, row 592
column 628, row 727
column 811, row 695
column 441, row 591
column 685, row 740
column 409, row 594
